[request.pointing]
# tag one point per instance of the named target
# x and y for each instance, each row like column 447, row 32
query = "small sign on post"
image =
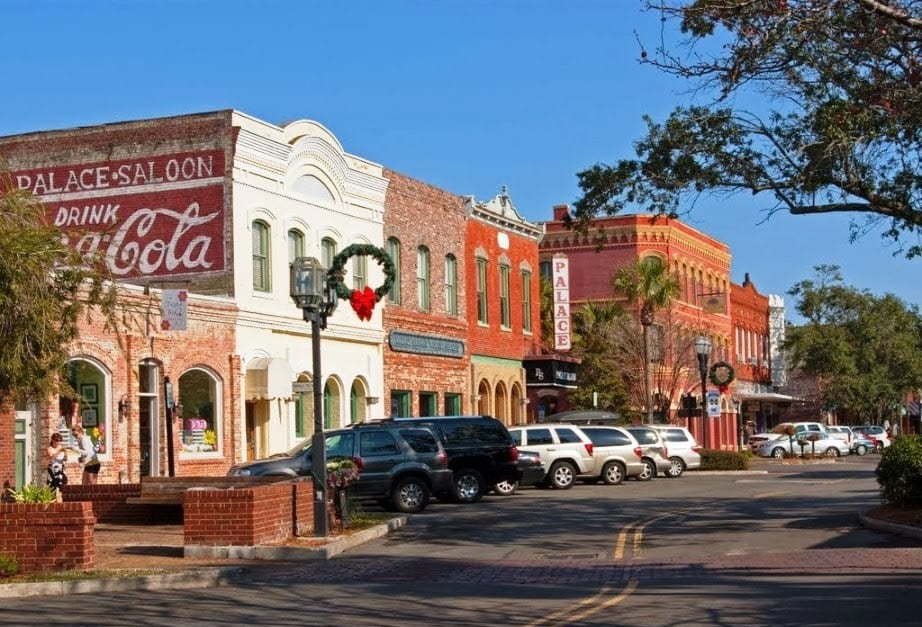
column 713, row 404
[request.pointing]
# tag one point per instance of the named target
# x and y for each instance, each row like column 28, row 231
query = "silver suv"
column 617, row 454
column 655, row 452
column 565, row 449
column 682, row 448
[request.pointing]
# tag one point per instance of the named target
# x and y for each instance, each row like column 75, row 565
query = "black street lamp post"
column 311, row 293
column 703, row 350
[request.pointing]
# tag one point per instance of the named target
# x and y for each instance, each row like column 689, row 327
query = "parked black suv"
column 480, row 451
column 400, row 464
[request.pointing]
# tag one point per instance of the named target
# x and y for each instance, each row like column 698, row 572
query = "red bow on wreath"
column 363, row 303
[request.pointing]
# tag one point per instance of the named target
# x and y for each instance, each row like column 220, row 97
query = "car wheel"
column 506, row 488
column 861, row 449
column 779, row 453
column 612, row 473
column 832, row 452
column 648, row 470
column 676, row 467
column 563, row 475
column 469, row 485
column 410, row 495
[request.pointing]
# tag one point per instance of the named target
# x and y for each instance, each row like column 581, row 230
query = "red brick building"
column 426, row 361
column 503, row 306
column 703, row 307
column 154, row 195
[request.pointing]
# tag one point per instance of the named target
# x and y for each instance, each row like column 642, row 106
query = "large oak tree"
column 814, row 105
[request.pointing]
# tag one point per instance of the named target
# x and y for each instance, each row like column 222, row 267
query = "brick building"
column 426, row 362
column 503, row 307
column 704, row 304
column 202, row 213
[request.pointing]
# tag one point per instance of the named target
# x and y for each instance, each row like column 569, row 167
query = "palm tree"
column 647, row 283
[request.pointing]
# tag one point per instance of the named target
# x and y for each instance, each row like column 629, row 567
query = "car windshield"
column 338, row 445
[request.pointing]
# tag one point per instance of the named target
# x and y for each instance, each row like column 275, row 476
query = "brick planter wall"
column 48, row 537
column 109, row 502
column 239, row 516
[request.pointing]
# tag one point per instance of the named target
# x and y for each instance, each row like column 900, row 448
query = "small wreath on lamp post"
column 363, row 302
column 721, row 374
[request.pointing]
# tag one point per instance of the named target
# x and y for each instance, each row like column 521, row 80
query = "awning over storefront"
column 766, row 397
column 267, row 378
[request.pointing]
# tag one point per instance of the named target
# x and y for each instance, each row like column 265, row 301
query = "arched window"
column 295, row 245
column 451, row 285
column 90, row 408
column 327, row 251
column 422, row 277
column 261, row 256
column 393, row 249
column 198, row 406
column 357, row 402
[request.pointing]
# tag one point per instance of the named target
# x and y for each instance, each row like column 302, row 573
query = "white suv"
column 617, row 455
column 565, row 449
column 683, row 450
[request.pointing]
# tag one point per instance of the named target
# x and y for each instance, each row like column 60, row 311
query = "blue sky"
column 467, row 95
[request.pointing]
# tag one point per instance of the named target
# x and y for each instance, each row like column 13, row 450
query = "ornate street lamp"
column 312, row 294
column 703, row 350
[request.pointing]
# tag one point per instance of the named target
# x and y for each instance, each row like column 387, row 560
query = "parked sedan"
column 533, row 472
column 655, row 452
column 818, row 443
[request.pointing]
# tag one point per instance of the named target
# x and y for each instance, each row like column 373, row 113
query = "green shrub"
column 724, row 460
column 8, row 566
column 899, row 472
column 33, row 494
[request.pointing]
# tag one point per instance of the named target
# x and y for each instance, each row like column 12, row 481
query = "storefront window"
column 90, row 408
column 199, row 409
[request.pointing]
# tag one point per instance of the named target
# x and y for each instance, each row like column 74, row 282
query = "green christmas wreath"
column 721, row 374
column 363, row 302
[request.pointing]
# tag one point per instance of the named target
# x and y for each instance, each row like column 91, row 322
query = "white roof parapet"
column 500, row 211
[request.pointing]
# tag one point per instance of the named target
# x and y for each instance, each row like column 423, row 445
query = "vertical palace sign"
column 561, row 279
column 151, row 217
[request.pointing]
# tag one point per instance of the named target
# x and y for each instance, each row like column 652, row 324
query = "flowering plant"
column 210, row 438
column 98, row 436
column 341, row 473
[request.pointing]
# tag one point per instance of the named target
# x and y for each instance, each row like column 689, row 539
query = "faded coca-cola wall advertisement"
column 152, row 217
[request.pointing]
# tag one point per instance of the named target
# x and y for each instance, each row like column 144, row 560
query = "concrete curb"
column 202, row 577
column 197, row 578
column 289, row 553
column 894, row 528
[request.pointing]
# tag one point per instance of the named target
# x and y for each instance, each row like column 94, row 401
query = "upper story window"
column 546, row 270
column 504, row 315
column 422, row 277
column 393, row 249
column 327, row 251
column 451, row 285
column 261, row 252
column 526, row 301
column 295, row 245
column 482, row 290
column 359, row 272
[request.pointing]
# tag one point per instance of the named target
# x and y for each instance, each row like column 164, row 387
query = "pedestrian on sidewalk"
column 57, row 457
column 88, row 456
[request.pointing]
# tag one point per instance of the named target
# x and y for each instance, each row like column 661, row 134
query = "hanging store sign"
column 561, row 278
column 174, row 310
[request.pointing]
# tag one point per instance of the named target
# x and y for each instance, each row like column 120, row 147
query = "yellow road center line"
column 628, row 589
column 622, row 541
column 560, row 613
